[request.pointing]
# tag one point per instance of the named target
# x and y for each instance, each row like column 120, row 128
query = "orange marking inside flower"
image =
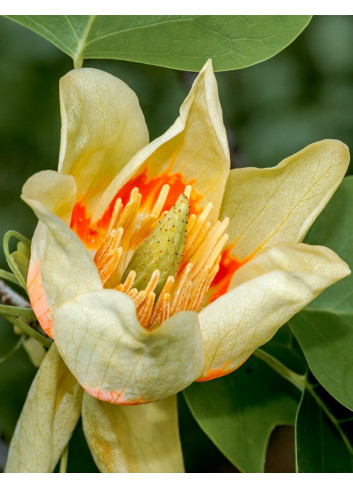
column 149, row 188
column 37, row 297
column 227, row 267
column 81, row 224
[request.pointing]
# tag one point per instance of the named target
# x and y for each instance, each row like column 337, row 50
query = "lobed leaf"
column 320, row 448
column 324, row 329
column 240, row 410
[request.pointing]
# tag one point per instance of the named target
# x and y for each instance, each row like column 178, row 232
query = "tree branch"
column 9, row 297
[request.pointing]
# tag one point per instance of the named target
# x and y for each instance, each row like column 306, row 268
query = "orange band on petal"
column 149, row 188
column 228, row 265
column 114, row 397
column 81, row 224
column 37, row 297
column 219, row 372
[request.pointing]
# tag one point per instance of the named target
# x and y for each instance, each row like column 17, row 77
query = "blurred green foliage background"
column 271, row 110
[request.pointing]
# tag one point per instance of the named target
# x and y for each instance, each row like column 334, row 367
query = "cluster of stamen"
column 201, row 254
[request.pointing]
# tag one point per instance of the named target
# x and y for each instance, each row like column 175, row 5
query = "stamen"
column 183, row 288
column 185, row 296
column 144, row 312
column 108, row 255
column 191, row 222
column 180, row 289
column 199, row 238
column 199, row 223
column 108, row 269
column 141, row 296
column 187, row 191
column 158, row 206
column 144, row 231
column 115, row 216
column 126, row 286
column 202, row 254
column 153, row 282
column 127, row 219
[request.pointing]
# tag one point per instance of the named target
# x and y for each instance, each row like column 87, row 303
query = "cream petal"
column 60, row 266
column 117, row 360
column 196, row 146
column 274, row 205
column 55, row 191
column 267, row 292
column 133, row 438
column 102, row 128
column 49, row 416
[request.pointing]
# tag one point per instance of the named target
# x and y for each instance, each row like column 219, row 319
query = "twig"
column 29, row 326
column 11, row 298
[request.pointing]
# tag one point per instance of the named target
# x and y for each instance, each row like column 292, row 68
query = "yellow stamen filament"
column 158, row 206
column 198, row 225
column 191, row 222
column 115, row 216
column 129, row 227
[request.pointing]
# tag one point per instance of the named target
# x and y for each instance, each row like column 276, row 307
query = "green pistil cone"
column 163, row 249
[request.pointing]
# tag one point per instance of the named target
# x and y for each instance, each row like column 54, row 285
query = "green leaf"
column 324, row 329
column 181, row 42
column 18, row 261
column 239, row 411
column 320, row 448
column 284, row 347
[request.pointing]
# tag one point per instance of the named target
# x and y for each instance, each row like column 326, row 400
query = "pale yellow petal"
column 49, row 416
column 133, row 438
column 60, row 266
column 102, row 128
column 55, row 191
column 267, row 292
column 274, row 205
column 196, row 146
column 34, row 350
column 117, row 360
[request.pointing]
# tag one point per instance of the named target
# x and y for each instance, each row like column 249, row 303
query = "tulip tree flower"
column 155, row 265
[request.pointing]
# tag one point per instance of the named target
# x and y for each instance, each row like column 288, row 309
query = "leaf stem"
column 301, row 383
column 346, row 420
column 78, row 55
column 24, row 312
column 331, row 417
column 297, row 380
column 29, row 330
column 13, row 350
column 10, row 277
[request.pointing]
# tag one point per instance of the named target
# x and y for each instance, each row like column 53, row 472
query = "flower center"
column 164, row 262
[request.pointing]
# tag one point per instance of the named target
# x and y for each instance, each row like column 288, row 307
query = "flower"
column 155, row 265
